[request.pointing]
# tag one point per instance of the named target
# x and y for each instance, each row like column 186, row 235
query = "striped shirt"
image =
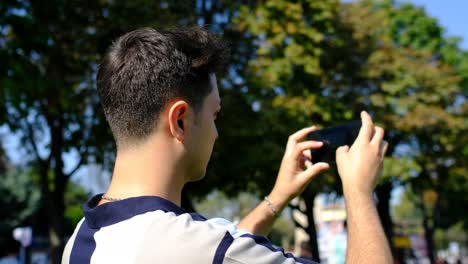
column 151, row 229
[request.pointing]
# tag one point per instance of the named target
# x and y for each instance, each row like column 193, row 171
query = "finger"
column 307, row 145
column 378, row 136
column 367, row 128
column 307, row 154
column 299, row 135
column 314, row 170
column 308, row 164
column 341, row 151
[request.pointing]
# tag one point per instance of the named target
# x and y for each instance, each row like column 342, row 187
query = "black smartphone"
column 333, row 137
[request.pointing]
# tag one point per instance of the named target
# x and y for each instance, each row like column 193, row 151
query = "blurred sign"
column 401, row 242
column 454, row 248
column 418, row 244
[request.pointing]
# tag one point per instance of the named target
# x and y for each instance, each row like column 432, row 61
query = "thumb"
column 313, row 170
column 341, row 151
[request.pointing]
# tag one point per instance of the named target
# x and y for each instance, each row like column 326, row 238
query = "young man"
column 160, row 97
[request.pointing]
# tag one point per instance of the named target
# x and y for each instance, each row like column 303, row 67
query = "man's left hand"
column 297, row 169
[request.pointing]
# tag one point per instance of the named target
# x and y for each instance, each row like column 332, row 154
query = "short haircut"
column 145, row 69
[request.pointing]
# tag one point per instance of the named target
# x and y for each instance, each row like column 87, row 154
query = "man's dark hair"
column 146, row 68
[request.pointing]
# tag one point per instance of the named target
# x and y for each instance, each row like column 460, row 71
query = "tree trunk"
column 429, row 236
column 311, row 230
column 55, row 211
column 56, row 234
column 466, row 236
column 428, row 226
column 55, row 200
column 383, row 193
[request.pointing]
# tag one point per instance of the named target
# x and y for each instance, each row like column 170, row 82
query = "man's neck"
column 150, row 170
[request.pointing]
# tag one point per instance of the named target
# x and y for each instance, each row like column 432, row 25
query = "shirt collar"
column 114, row 212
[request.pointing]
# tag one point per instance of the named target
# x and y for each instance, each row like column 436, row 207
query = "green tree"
column 293, row 64
column 290, row 77
column 75, row 197
column 49, row 56
column 20, row 198
column 421, row 81
column 325, row 62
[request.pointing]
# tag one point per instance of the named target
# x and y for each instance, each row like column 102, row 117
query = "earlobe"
column 177, row 116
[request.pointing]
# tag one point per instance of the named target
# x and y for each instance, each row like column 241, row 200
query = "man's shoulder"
column 149, row 237
column 184, row 238
column 160, row 236
column 171, row 226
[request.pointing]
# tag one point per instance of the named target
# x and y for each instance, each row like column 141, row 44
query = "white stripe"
column 246, row 250
column 228, row 225
column 158, row 237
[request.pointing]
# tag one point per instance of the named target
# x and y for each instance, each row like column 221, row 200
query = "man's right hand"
column 360, row 166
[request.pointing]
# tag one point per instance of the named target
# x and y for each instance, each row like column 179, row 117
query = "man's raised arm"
column 359, row 168
column 291, row 181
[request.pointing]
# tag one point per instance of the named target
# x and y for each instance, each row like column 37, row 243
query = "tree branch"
column 80, row 163
column 30, row 137
column 83, row 154
column 87, row 138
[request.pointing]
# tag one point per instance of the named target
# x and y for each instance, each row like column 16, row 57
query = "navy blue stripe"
column 222, row 248
column 197, row 217
column 112, row 213
column 261, row 240
column 84, row 244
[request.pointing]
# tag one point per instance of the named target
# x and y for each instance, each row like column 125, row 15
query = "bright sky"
column 452, row 15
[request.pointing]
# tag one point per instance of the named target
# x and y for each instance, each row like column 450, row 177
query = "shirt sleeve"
column 241, row 247
column 250, row 248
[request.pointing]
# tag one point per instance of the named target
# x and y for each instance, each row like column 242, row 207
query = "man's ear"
column 178, row 118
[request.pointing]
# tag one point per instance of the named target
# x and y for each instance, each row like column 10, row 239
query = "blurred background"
column 294, row 64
